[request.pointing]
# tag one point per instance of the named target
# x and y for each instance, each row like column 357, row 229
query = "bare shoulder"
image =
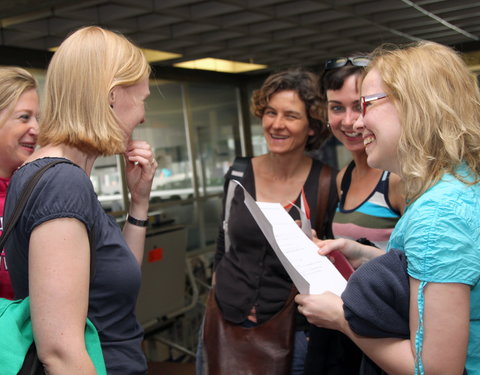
column 258, row 163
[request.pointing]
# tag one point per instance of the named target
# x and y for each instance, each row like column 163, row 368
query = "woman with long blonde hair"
column 421, row 120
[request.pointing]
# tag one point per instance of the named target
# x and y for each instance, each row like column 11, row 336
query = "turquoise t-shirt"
column 440, row 234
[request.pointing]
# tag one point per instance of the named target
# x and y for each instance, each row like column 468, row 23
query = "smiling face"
column 380, row 127
column 18, row 132
column 343, row 108
column 285, row 123
column 128, row 103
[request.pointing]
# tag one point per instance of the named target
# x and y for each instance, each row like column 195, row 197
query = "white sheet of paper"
column 311, row 273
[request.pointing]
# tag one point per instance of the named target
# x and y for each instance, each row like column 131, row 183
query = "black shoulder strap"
column 22, row 201
column 346, row 179
column 239, row 167
column 326, row 187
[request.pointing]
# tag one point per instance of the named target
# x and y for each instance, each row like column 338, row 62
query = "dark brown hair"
column 334, row 79
column 305, row 84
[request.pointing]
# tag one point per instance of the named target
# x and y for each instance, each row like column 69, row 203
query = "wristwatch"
column 137, row 222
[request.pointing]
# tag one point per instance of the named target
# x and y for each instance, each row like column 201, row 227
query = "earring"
column 328, row 125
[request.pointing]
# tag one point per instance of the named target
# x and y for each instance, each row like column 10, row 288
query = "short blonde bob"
column 82, row 72
column 14, row 81
column 438, row 102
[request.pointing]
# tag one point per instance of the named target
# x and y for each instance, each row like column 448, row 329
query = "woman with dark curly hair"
column 250, row 284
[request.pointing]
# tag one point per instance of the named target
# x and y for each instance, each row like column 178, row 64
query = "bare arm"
column 59, row 273
column 446, row 322
column 140, row 170
column 356, row 253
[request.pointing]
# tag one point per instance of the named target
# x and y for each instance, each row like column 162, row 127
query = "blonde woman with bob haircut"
column 421, row 120
column 95, row 89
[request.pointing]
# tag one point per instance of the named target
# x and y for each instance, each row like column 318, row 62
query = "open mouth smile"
column 280, row 137
column 368, row 140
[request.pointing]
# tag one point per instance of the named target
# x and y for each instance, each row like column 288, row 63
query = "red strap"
column 305, row 204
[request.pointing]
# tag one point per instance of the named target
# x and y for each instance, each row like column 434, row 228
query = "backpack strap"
column 326, row 192
column 236, row 172
column 22, row 201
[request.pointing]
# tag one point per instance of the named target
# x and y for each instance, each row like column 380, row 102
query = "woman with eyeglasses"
column 421, row 120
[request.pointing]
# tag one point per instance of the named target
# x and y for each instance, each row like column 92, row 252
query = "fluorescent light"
column 219, row 65
column 154, row 55
column 151, row 55
column 475, row 68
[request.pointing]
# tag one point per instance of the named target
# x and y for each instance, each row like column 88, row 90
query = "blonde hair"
column 14, row 81
column 438, row 102
column 83, row 71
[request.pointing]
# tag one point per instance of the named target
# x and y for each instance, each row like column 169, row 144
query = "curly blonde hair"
column 438, row 101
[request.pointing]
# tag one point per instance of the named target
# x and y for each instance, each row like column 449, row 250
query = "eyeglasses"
column 338, row 62
column 370, row 98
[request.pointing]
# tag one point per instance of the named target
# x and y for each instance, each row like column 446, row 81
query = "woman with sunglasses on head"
column 369, row 205
column 18, row 138
column 421, row 120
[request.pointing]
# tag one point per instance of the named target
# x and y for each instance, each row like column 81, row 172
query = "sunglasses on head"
column 338, row 62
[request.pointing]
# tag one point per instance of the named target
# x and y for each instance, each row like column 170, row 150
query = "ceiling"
column 278, row 33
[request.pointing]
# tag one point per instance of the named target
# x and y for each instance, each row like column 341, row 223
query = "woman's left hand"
column 323, row 310
column 140, row 170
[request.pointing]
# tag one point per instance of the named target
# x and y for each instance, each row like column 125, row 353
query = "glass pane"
column 164, row 129
column 259, row 145
column 108, row 183
column 212, row 213
column 215, row 123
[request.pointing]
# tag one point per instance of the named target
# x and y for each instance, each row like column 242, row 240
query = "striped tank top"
column 374, row 219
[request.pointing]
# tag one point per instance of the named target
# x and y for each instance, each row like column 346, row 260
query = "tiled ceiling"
column 278, row 33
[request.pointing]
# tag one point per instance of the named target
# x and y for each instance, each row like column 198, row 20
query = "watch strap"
column 137, row 222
